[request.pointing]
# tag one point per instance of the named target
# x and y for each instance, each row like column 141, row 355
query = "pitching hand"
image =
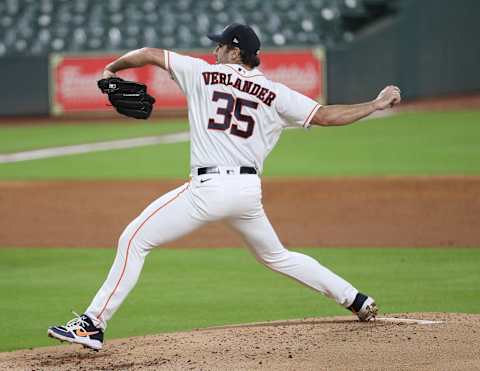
column 388, row 97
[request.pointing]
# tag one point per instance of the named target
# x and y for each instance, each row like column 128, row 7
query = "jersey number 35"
column 233, row 108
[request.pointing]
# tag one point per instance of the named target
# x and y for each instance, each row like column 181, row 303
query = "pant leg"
column 264, row 243
column 166, row 219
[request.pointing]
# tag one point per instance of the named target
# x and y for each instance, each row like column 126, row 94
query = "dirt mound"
column 337, row 343
column 383, row 211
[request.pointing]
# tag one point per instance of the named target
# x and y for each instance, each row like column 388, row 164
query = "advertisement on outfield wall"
column 74, row 79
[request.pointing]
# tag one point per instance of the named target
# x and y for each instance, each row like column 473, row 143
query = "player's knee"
column 129, row 241
column 123, row 239
column 276, row 261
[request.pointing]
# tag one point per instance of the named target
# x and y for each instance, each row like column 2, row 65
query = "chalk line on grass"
column 93, row 147
column 114, row 144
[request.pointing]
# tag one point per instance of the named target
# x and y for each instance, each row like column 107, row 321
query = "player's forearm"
column 137, row 58
column 335, row 115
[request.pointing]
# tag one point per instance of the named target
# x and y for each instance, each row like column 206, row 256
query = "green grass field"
column 25, row 137
column 185, row 289
column 191, row 288
column 406, row 144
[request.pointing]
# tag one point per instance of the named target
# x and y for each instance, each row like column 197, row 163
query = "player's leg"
column 267, row 248
column 166, row 219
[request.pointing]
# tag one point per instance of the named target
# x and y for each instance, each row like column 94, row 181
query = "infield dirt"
column 339, row 343
column 384, row 211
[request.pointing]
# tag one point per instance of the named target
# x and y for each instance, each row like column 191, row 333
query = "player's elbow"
column 330, row 116
column 148, row 51
column 153, row 55
column 322, row 117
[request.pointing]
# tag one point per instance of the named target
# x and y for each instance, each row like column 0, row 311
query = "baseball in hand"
column 388, row 97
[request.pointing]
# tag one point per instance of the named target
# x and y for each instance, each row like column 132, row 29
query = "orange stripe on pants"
column 128, row 248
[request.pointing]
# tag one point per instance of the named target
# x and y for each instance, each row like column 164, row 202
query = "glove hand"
column 129, row 98
column 107, row 74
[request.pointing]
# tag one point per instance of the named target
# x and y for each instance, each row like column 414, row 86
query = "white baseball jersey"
column 236, row 115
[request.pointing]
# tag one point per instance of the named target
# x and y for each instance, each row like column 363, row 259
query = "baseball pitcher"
column 236, row 116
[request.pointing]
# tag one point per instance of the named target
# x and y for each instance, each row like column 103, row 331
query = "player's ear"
column 237, row 54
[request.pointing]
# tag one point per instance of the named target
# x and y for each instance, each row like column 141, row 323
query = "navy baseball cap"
column 239, row 35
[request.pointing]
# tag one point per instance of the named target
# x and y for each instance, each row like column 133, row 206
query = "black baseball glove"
column 129, row 98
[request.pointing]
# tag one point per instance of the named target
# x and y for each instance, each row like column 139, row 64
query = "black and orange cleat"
column 79, row 330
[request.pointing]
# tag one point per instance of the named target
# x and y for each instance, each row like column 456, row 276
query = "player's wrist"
column 107, row 73
column 375, row 105
column 380, row 104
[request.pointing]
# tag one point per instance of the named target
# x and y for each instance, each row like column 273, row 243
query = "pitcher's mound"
column 440, row 341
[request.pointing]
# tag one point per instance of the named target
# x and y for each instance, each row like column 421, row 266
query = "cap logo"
column 235, row 40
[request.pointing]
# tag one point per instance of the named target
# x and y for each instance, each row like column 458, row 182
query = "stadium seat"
column 36, row 27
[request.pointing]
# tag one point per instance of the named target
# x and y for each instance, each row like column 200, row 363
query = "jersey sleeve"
column 296, row 109
column 184, row 70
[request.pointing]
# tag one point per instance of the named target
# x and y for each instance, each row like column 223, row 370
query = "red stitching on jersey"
column 312, row 113
column 247, row 77
column 129, row 244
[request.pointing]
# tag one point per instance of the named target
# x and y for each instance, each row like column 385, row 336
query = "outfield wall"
column 429, row 49
column 25, row 90
column 426, row 54
column 74, row 88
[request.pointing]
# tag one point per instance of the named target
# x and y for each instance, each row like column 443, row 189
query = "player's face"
column 225, row 55
column 220, row 53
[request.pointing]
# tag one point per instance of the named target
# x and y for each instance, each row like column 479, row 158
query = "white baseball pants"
column 209, row 197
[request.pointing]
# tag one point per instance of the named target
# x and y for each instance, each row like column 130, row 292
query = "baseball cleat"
column 364, row 307
column 79, row 330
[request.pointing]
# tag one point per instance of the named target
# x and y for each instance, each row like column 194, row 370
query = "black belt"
column 216, row 170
